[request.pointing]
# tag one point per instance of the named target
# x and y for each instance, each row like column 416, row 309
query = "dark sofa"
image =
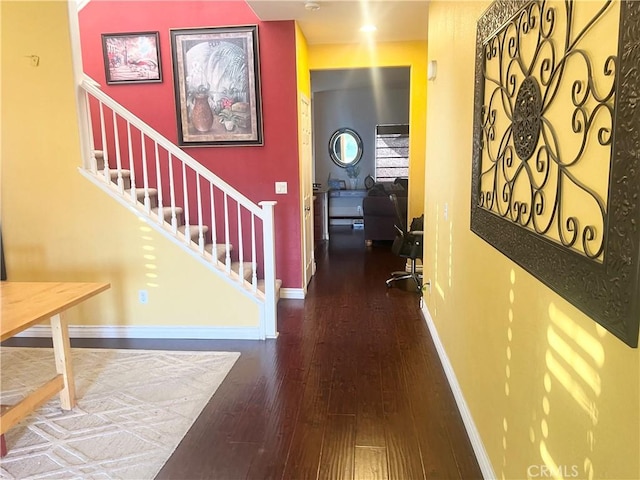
column 378, row 211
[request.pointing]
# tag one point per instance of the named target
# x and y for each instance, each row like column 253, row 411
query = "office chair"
column 407, row 244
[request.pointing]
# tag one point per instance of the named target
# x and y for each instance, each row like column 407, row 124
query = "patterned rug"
column 133, row 409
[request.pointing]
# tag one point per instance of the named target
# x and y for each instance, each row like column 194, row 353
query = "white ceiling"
column 339, row 21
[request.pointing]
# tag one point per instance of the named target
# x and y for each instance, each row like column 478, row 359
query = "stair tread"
column 193, row 228
column 261, row 286
column 194, row 231
column 140, row 191
column 114, row 172
column 140, row 195
column 247, row 269
column 168, row 210
column 221, row 251
column 167, row 214
column 220, row 247
column 116, row 175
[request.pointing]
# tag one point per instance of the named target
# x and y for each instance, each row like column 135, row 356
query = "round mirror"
column 345, row 147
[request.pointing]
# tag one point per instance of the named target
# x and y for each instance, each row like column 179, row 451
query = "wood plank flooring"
column 351, row 389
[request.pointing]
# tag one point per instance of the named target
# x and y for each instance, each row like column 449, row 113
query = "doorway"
column 357, row 99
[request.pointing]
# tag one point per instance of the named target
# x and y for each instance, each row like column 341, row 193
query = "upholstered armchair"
column 379, row 212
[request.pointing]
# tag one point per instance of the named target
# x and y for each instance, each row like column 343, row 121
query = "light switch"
column 281, row 188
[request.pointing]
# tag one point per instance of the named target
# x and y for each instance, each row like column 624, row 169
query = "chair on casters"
column 407, row 244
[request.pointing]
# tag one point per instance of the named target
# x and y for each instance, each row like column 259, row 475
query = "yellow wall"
column 303, row 74
column 396, row 54
column 544, row 383
column 58, row 226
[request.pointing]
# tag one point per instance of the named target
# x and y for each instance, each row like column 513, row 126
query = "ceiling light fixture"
column 368, row 28
column 312, row 6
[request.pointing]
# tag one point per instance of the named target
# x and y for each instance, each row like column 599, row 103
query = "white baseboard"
column 128, row 331
column 465, row 413
column 292, row 293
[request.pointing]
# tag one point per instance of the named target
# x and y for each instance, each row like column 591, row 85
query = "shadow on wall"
column 442, row 217
column 573, row 361
column 149, row 257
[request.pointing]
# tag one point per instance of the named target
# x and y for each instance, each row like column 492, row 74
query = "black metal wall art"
column 556, row 153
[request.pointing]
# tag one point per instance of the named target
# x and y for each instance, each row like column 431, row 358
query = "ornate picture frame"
column 217, row 86
column 575, row 226
column 131, row 58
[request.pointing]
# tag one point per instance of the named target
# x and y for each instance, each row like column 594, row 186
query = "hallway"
column 352, row 388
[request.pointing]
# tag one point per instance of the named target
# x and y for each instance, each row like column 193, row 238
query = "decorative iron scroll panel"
column 556, row 173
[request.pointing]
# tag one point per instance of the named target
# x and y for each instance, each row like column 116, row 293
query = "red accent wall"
column 253, row 170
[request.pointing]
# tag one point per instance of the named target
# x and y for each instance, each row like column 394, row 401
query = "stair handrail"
column 89, row 85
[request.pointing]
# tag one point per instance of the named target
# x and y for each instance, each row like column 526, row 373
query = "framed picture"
column 217, row 86
column 555, row 177
column 131, row 57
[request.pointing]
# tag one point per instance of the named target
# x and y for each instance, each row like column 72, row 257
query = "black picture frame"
column 216, row 74
column 131, row 57
column 606, row 289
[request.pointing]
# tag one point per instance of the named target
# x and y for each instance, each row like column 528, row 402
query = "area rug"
column 133, row 409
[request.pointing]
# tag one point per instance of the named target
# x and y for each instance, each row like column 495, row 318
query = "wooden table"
column 25, row 304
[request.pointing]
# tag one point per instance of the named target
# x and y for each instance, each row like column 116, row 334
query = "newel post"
column 82, row 101
column 269, row 246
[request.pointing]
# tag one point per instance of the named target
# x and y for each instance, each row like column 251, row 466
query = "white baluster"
column 200, row 228
column 254, row 262
column 116, row 138
column 187, row 235
column 240, row 247
column 105, row 157
column 214, row 240
column 132, row 174
column 227, row 258
column 145, row 176
column 158, row 183
column 87, row 132
column 172, row 194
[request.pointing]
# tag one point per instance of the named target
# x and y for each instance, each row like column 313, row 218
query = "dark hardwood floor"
column 351, row 389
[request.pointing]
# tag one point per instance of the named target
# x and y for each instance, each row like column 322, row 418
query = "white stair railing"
column 176, row 189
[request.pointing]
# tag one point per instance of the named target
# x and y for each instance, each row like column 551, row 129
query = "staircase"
column 166, row 215
column 185, row 202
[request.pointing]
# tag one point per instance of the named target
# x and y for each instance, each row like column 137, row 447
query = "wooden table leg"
column 62, row 353
column 3, row 443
